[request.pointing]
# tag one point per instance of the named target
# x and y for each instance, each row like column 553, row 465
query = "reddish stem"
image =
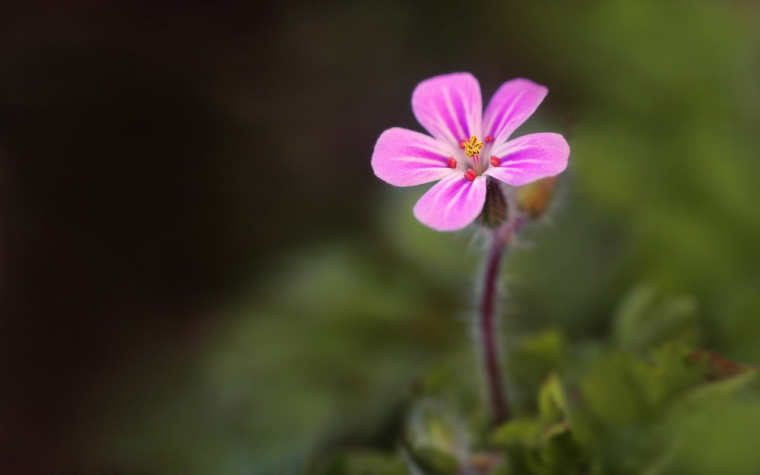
column 487, row 324
column 499, row 409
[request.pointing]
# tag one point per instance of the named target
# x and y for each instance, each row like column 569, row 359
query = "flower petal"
column 529, row 158
column 512, row 104
column 449, row 106
column 452, row 203
column 403, row 157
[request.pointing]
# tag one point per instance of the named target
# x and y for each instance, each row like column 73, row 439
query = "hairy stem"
column 487, row 325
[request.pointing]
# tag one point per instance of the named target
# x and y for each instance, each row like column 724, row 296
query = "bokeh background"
column 200, row 274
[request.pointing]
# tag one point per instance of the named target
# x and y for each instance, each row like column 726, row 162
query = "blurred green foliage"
column 613, row 412
column 352, row 357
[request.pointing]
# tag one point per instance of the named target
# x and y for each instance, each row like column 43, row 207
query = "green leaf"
column 645, row 319
column 552, row 406
column 361, row 462
column 535, row 357
column 524, row 431
column 433, row 460
column 721, row 389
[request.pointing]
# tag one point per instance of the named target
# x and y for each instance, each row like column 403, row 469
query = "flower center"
column 472, row 147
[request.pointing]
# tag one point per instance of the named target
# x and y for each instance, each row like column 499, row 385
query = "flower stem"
column 487, row 319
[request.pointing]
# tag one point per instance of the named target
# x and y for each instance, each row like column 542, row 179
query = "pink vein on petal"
column 512, row 104
column 452, row 203
column 404, row 157
column 449, row 106
column 529, row 158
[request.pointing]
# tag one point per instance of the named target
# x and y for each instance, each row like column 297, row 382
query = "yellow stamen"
column 472, row 147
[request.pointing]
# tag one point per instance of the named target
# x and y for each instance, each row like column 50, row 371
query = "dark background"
column 200, row 274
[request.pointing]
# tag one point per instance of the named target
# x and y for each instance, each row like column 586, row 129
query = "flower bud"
column 495, row 209
column 533, row 199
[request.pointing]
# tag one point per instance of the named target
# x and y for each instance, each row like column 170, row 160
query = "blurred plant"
column 596, row 410
column 645, row 319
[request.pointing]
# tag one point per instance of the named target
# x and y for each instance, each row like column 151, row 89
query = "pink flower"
column 466, row 147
